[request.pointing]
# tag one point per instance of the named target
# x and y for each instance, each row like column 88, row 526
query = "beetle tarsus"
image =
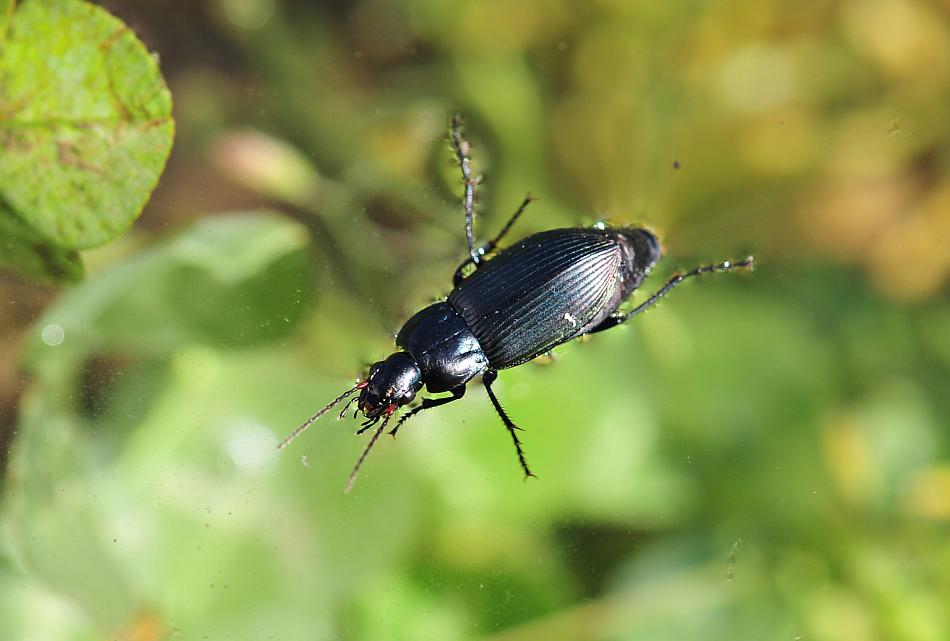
column 488, row 378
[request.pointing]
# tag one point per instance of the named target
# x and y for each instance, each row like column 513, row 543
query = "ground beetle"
column 547, row 289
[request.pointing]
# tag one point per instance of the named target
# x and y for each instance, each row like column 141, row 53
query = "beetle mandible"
column 545, row 290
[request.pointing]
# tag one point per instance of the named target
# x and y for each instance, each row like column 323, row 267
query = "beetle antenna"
column 725, row 266
column 359, row 462
column 297, row 432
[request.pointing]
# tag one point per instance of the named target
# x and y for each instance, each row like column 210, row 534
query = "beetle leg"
column 611, row 321
column 368, row 423
column 428, row 403
column 462, row 150
column 491, row 244
column 347, row 406
column 725, row 266
column 488, row 378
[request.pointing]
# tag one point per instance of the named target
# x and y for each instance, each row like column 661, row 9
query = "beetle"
column 545, row 290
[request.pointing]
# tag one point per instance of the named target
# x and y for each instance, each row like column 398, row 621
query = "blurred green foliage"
column 760, row 457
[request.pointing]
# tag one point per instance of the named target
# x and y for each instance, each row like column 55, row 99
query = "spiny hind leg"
column 619, row 318
column 488, row 378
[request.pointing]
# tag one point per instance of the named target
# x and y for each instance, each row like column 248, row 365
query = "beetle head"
column 391, row 384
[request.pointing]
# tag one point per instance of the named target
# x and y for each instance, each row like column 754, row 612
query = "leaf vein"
column 81, row 123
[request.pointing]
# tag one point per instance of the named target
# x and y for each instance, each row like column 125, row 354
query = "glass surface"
column 760, row 456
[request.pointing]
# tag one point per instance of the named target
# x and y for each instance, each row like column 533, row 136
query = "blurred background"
column 761, row 456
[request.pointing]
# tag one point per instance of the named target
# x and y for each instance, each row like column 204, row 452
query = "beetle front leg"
column 428, row 403
column 488, row 378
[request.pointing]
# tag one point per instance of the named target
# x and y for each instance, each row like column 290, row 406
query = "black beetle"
column 547, row 289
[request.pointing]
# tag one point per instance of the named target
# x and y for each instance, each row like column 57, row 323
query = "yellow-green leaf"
column 85, row 121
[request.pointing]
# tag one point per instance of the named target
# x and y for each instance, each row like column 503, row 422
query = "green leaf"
column 53, row 515
column 230, row 280
column 156, row 323
column 6, row 10
column 24, row 251
column 85, row 121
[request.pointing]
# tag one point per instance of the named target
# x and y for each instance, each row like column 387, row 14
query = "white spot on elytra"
column 570, row 319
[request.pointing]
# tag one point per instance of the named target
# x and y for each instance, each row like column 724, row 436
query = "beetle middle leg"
column 462, row 153
column 491, row 244
column 488, row 378
column 725, row 266
column 428, row 403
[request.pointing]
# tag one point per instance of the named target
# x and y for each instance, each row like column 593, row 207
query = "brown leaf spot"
column 69, row 155
column 106, row 44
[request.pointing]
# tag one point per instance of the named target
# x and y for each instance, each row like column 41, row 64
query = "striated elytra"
column 545, row 290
